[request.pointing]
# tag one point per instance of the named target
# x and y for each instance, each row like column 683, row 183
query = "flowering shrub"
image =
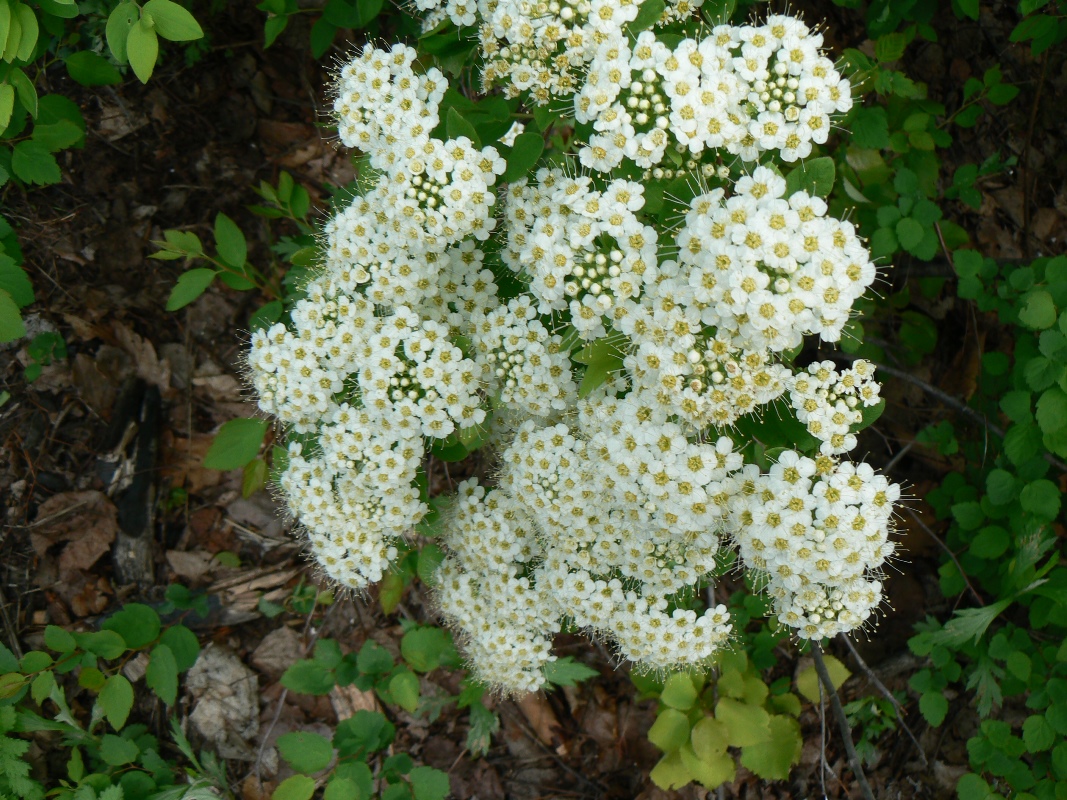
column 619, row 328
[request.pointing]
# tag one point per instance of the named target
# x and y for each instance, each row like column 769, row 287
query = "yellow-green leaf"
column 808, row 679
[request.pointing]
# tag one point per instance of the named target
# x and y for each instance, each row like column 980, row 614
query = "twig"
column 898, row 456
column 12, row 634
column 842, row 721
column 948, row 551
column 885, row 691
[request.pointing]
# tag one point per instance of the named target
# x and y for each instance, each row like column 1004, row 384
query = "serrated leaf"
column 1040, row 311
column 679, row 692
column 671, row 772
column 56, row 136
column 1041, row 498
column 142, row 49
column 136, row 623
column 773, row 759
column 11, row 324
column 308, row 677
column 709, row 737
column 423, row 648
column 295, row 787
column 428, row 783
column 567, row 671
column 237, row 442
column 670, row 730
column 305, row 751
column 808, row 679
column 404, row 687
column 116, row 700
column 15, row 281
column 191, row 284
column 116, row 751
column 747, row 725
column 934, row 707
column 968, row 624
column 32, row 163
column 106, row 644
column 815, row 176
column 173, row 22
column 711, row 771
column 161, row 675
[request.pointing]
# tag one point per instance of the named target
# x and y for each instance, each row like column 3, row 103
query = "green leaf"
column 7, row 105
column 1052, row 410
column 711, row 771
column 568, row 672
column 11, row 325
column 58, row 639
column 91, row 69
column 890, row 47
column 404, row 687
column 670, row 730
column 679, row 692
column 909, row 233
column 305, row 751
column 1038, row 735
column 1039, row 312
column 142, row 48
column 601, row 358
column 969, row 515
column 119, row 23
column 191, row 284
column 117, row 751
column 814, row 176
column 30, row 31
column 254, row 477
column 991, row 542
column 972, row 787
column 671, row 772
column 709, row 737
column 870, row 127
column 172, row 21
column 116, row 700
column 15, row 281
column 42, row 686
column 136, row 623
column 1000, row 486
column 236, row 443
column 428, row 783
column 161, row 675
column 1041, row 498
column 266, row 315
column 295, row 787
column 106, row 644
column 456, row 126
column 808, row 679
column 338, row 788
column 308, row 677
column 772, row 759
column 970, row 8
column 746, row 724
column 362, row 733
column 648, row 14
column 934, row 707
column 968, row 624
column 229, row 240
column 59, row 135
column 32, row 163
column 524, row 155
column 424, row 647
column 183, row 645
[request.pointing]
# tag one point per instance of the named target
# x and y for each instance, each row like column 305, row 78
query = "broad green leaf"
column 747, row 725
column 525, row 152
column 308, row 677
column 772, row 759
column 456, row 126
column 266, row 315
column 648, row 14
column 710, row 771
column 338, row 788
column 41, row 687
column 254, row 477
column 934, row 707
column 119, row 23
column 968, row 624
column 295, row 787
column 670, row 730
column 814, row 176
column 32, row 163
column 30, row 31
column 568, row 672
column 1039, row 312
column 183, row 644
column 58, row 639
column 404, row 687
column 1041, row 498
column 1000, row 486
column 671, row 772
column 230, row 241
column 191, row 284
column 909, row 233
column 15, row 281
column 56, row 136
column 7, row 104
column 305, row 751
column 106, row 644
column 237, row 442
column 679, row 692
column 808, row 679
column 142, row 48
column 362, row 733
column 709, row 738
column 14, row 32
column 1052, row 410
column 136, row 623
column 11, row 324
column 116, row 751
column 428, row 783
column 161, row 674
column 424, row 648
column 90, row 69
column 172, row 21
column 116, row 700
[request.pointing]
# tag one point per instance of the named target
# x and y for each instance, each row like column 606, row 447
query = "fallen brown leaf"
column 84, row 522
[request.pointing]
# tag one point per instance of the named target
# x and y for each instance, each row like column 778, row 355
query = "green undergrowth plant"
column 75, row 696
column 95, row 42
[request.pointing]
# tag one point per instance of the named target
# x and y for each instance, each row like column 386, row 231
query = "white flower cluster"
column 607, row 510
column 829, row 402
column 583, row 249
column 367, row 370
column 766, row 269
column 743, row 90
column 817, row 530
